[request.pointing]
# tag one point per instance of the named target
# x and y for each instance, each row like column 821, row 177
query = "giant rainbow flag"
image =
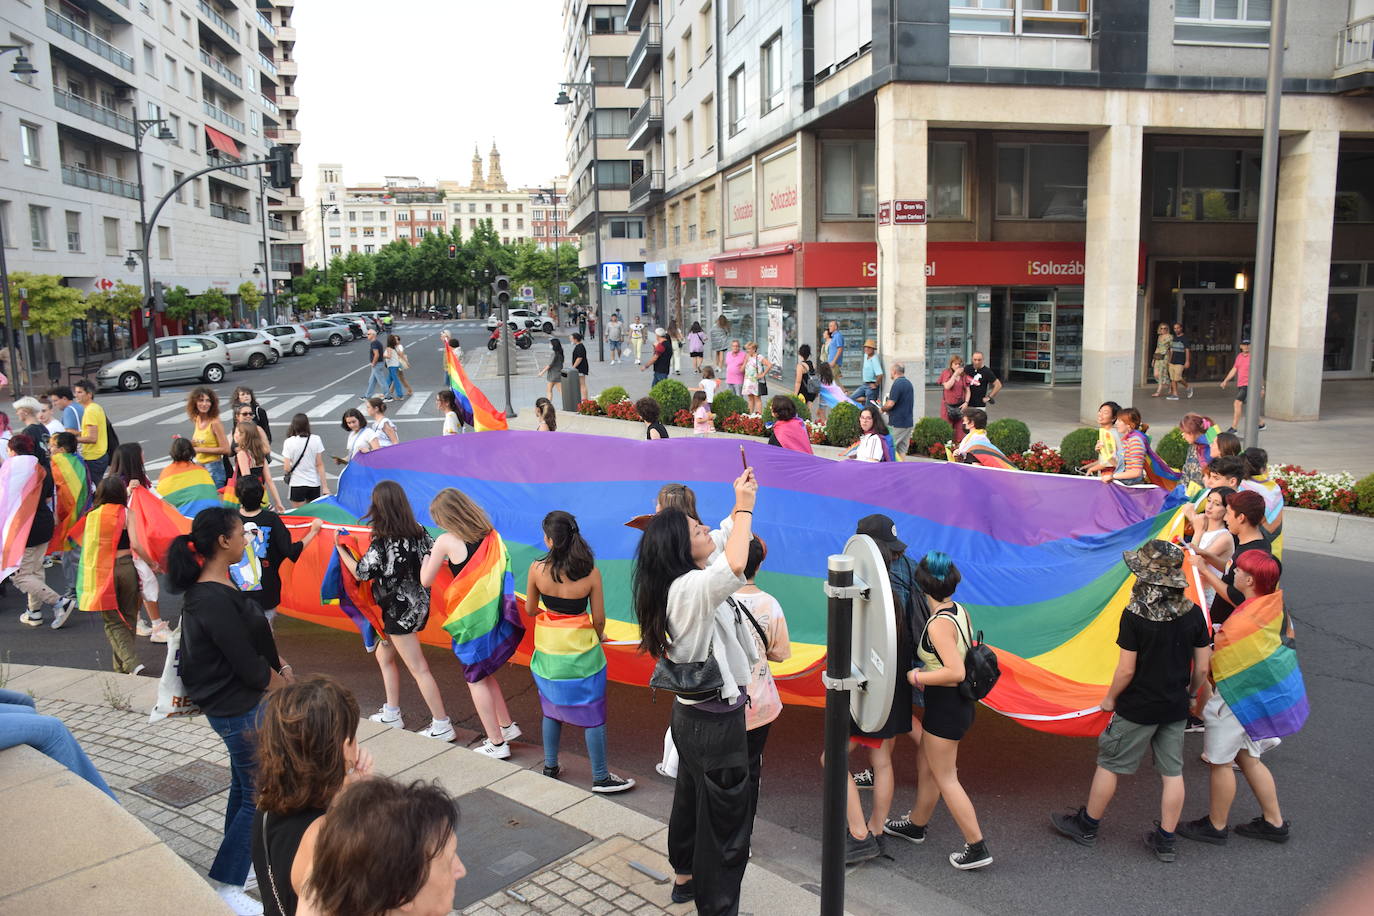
column 473, row 407
column 1256, row 673
column 1040, row 554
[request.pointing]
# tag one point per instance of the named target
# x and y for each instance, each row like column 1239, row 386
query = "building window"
column 1229, row 22
column 190, row 82
column 164, row 242
column 191, row 132
column 488, row 208
column 689, row 138
column 149, row 60
column 403, row 217
column 38, row 226
column 334, row 232
column 1355, row 187
column 335, row 250
column 421, row 232
column 613, row 122
column 505, row 223
column 1206, row 184
column 770, row 74
column 436, row 216
column 169, row 70
column 175, row 126
column 849, row 187
column 606, row 20
column 195, row 193
column 946, row 179
column 180, row 193
column 737, row 101
column 672, row 151
column 617, row 173
column 708, row 125
column 29, row 139
column 688, row 61
column 1042, row 181
column 112, row 248
column 610, row 71
column 1022, row 17
column 369, row 232
column 369, row 249
column 734, row 12
column 352, row 216
column 73, row 231
column 632, row 228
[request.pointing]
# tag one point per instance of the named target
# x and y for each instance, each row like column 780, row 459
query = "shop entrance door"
column 1212, row 321
column 1349, row 339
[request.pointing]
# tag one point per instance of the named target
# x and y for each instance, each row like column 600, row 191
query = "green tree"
column 120, row 302
column 212, row 302
column 251, row 297
column 178, row 302
column 52, row 307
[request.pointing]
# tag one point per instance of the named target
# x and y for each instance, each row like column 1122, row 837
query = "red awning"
column 223, row 142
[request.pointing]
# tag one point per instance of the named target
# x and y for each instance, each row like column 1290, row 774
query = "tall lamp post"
column 550, row 196
column 22, row 67
column 141, row 127
column 266, row 246
column 589, row 90
column 324, row 251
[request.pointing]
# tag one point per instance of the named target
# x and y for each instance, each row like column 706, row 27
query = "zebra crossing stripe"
column 179, row 408
column 328, row 407
column 415, row 403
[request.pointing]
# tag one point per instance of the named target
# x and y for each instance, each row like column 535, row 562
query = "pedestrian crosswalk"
column 331, row 406
column 415, row 403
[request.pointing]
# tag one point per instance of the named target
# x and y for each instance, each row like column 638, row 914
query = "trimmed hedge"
column 1010, row 435
column 726, row 404
column 930, row 431
column 672, row 396
column 802, row 412
column 1364, row 494
column 1079, row 447
column 842, row 425
column 612, row 395
column 1173, row 448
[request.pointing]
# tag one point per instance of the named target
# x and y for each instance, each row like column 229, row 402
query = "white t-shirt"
column 451, row 425
column 55, row 426
column 709, row 385
column 301, row 452
column 699, row 621
column 870, row 448
column 359, row 438
column 379, row 425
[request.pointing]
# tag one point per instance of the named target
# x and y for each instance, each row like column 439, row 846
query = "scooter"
column 523, row 339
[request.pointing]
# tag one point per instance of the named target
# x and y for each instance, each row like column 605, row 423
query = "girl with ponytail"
column 228, row 663
column 566, row 600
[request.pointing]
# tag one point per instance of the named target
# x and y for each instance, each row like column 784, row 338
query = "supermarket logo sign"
column 1035, row 268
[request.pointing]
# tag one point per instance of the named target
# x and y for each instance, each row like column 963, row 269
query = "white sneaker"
column 487, row 749
column 239, row 902
column 62, row 610
column 381, row 716
column 511, row 732
column 438, row 732
column 143, row 628
column 252, row 883
column 160, row 632
column 31, row 618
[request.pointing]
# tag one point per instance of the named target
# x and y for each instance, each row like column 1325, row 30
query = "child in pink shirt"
column 703, row 421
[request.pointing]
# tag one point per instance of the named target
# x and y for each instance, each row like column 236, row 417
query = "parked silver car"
column 182, row 358
column 249, row 349
column 292, row 338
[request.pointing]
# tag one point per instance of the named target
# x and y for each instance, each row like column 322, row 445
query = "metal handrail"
column 88, row 109
column 95, row 181
column 222, row 116
column 220, row 67
column 83, row 36
column 218, row 20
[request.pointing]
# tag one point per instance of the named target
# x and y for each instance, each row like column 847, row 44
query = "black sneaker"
column 685, row 892
column 1260, row 829
column 973, row 855
column 857, row 851
column 1075, row 827
column 904, row 828
column 863, row 779
column 1161, row 846
column 1194, row 725
column 552, row 771
column 1202, row 831
column 612, row 783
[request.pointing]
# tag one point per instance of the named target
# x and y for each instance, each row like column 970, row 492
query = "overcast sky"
column 406, row 87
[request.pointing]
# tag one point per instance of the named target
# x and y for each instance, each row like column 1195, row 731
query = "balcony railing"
column 209, row 12
column 266, row 25
column 94, row 181
column 271, row 106
column 216, row 159
column 646, row 189
column 220, row 67
column 64, row 26
column 635, row 11
column 645, row 122
column 281, row 267
column 276, row 224
column 1355, row 45
column 265, row 63
column 645, row 54
column 87, row 109
column 225, row 211
column 222, row 116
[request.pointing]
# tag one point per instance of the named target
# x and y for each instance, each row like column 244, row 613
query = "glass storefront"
column 857, row 315
column 1348, row 350
column 767, row 317
column 949, row 328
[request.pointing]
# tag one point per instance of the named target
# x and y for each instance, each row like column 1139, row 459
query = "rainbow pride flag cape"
column 153, row 524
column 833, row 394
column 98, row 534
column 21, row 481
column 473, row 407
column 341, row 590
column 569, row 668
column 71, row 497
column 1256, row 673
column 979, row 447
column 188, row 487
column 1157, row 470
column 482, row 616
column 792, row 434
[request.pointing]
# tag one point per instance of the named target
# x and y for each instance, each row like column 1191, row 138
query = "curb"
column 1350, row 537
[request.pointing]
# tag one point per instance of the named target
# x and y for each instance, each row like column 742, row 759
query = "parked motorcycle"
column 523, row 339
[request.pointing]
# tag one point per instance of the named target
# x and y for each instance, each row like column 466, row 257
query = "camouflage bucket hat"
column 1157, row 563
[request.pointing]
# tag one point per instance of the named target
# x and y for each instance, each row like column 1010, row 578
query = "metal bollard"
column 838, row 677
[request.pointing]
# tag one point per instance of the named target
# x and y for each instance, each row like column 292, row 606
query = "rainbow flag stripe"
column 153, row 525
column 482, row 617
column 98, row 535
column 71, row 497
column 1256, row 674
column 833, row 394
column 21, row 480
column 1157, row 470
column 188, row 487
column 473, row 407
column 569, row 668
column 340, row 590
column 990, row 456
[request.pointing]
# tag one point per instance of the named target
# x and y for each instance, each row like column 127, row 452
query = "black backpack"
column 111, row 439
column 811, row 383
column 981, row 670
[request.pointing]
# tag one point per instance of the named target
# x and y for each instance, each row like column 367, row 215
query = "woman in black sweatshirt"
column 228, row 662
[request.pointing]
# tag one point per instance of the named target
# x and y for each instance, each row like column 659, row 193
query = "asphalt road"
column 1015, row 776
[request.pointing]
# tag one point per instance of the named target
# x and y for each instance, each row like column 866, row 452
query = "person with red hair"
column 1225, row 741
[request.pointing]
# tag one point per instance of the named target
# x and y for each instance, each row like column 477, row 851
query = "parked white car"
column 293, row 339
column 189, row 357
column 524, row 319
column 249, row 349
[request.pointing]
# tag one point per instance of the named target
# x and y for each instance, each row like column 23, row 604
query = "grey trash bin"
column 572, row 390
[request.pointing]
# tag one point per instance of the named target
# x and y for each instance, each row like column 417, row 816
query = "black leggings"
column 713, row 806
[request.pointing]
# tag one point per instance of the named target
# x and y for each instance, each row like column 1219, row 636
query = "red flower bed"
column 625, row 410
column 589, row 408
column 748, row 426
column 683, row 418
column 1039, row 457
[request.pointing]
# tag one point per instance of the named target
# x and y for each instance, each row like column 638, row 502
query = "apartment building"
column 1042, row 180
column 218, row 80
column 599, row 49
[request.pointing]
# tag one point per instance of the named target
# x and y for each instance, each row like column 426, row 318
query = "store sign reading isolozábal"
column 780, row 190
column 739, row 203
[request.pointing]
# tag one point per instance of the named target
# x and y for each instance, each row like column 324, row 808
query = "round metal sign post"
column 861, row 650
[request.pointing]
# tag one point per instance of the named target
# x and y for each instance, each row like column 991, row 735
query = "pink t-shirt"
column 1242, row 369
column 734, row 367
column 701, row 420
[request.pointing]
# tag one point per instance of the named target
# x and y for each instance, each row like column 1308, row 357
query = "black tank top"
column 455, row 569
column 276, row 837
column 566, row 607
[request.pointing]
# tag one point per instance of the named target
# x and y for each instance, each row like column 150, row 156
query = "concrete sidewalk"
column 597, row 876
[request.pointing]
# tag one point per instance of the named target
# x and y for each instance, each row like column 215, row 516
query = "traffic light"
column 148, row 308
column 279, row 166
column 159, row 303
column 452, row 252
column 502, row 290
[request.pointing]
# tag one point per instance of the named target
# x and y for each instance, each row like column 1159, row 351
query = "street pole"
column 150, row 325
column 9, row 317
column 838, row 671
column 596, row 221
column 266, row 246
column 1264, row 244
column 324, row 254
column 505, row 347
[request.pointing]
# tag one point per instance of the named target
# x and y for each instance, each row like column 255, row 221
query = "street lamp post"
column 266, row 246
column 141, row 127
column 589, row 88
column 551, row 196
column 324, row 252
column 22, row 67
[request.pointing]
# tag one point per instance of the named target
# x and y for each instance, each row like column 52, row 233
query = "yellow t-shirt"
column 94, row 416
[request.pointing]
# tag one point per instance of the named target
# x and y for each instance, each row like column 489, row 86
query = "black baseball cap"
column 883, row 530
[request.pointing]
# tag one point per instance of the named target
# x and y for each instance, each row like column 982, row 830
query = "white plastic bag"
column 171, row 693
